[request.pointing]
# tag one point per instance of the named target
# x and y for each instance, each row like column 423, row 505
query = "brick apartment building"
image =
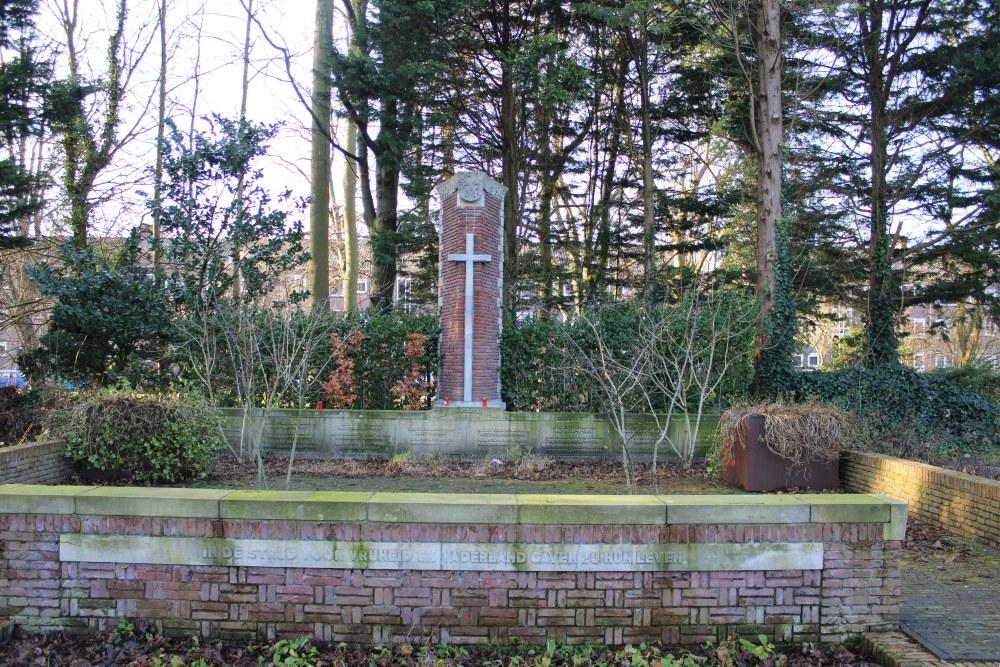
column 932, row 336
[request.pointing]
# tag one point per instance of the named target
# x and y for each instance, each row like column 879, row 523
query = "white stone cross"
column 469, row 258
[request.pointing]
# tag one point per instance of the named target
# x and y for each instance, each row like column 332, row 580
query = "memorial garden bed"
column 131, row 646
column 531, row 474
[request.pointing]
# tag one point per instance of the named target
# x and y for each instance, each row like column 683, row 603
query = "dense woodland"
column 633, row 138
column 797, row 154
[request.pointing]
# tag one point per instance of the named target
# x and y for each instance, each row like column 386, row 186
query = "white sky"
column 216, row 57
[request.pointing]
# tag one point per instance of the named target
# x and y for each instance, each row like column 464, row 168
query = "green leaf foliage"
column 535, row 375
column 978, row 379
column 380, row 362
column 907, row 413
column 218, row 220
column 107, row 314
column 122, row 436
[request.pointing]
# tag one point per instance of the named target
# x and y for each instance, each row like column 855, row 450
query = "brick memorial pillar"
column 470, row 285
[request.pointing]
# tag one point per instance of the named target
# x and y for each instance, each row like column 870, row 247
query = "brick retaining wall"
column 35, row 463
column 964, row 504
column 457, row 568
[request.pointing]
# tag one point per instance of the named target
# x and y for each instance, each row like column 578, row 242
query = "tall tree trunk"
column 350, row 283
column 880, row 323
column 385, row 249
column 649, row 288
column 160, row 130
column 351, row 221
column 319, row 210
column 449, row 127
column 244, row 93
column 546, row 276
column 85, row 154
column 510, row 168
column 600, row 263
column 768, row 119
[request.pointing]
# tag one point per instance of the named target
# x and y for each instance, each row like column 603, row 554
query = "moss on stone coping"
column 39, row 498
column 895, row 528
column 849, row 508
column 144, row 501
column 443, row 508
column 590, row 509
column 295, row 505
column 736, row 509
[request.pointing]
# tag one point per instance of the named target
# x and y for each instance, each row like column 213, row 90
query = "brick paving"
column 951, row 604
column 953, row 612
column 895, row 649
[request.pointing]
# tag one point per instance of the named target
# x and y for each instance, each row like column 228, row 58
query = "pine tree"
column 25, row 81
column 384, row 81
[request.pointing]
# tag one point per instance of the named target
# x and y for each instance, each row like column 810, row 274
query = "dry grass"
column 797, row 432
column 532, row 466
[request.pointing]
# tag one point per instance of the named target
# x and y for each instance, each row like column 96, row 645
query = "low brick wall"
column 382, row 567
column 471, row 434
column 964, row 504
column 35, row 463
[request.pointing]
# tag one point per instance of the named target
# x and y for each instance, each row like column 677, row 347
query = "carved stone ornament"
column 470, row 187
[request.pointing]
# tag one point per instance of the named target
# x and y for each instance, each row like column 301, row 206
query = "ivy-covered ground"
column 132, row 647
column 530, row 475
column 986, row 464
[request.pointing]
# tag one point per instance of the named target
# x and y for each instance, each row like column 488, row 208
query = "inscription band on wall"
column 439, row 555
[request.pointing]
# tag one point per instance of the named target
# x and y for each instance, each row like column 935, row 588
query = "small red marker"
column 484, row 402
column 319, row 406
column 446, row 402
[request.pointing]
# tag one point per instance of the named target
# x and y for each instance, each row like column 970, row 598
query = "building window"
column 990, row 361
column 842, row 327
column 918, row 362
column 989, row 327
column 362, row 286
column 798, row 360
column 919, row 324
column 813, row 360
column 404, row 287
column 942, row 360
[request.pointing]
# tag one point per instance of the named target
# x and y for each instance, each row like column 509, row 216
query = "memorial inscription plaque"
column 439, row 555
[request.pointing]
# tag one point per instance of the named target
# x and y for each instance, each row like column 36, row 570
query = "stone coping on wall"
column 445, row 508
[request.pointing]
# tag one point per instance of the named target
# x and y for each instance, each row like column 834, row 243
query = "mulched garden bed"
column 530, row 469
column 136, row 649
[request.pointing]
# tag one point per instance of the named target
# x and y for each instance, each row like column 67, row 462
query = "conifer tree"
column 25, row 81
